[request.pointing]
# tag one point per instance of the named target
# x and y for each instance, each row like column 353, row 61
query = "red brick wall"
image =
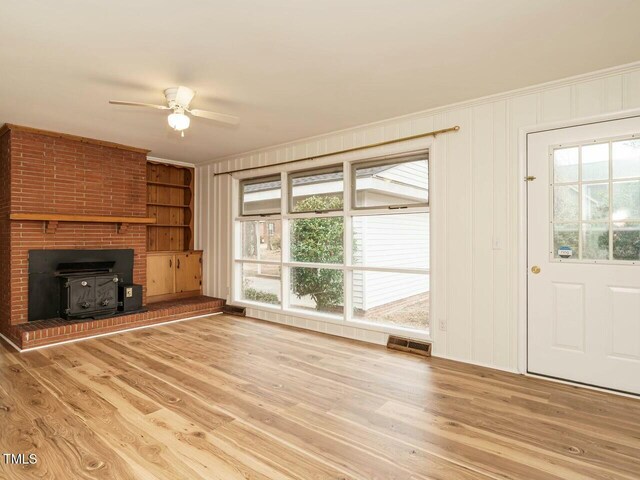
column 63, row 175
column 5, row 255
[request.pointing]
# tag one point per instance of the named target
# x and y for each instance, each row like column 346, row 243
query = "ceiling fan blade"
column 184, row 95
column 137, row 104
column 219, row 117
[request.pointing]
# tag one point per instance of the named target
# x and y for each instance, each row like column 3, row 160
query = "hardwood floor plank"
column 233, row 398
column 543, row 453
column 128, row 439
column 33, row 421
column 246, row 440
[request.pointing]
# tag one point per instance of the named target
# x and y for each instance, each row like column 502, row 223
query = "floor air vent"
column 233, row 310
column 408, row 345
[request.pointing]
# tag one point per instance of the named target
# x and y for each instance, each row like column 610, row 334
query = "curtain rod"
column 348, row 150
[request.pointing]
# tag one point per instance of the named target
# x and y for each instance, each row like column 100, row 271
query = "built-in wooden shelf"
column 51, row 220
column 170, row 201
column 172, row 185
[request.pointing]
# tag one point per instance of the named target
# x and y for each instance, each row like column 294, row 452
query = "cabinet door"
column 160, row 274
column 188, row 271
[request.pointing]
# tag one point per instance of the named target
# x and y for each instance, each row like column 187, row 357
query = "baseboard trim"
column 10, row 342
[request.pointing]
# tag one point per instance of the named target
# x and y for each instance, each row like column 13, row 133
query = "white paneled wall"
column 475, row 187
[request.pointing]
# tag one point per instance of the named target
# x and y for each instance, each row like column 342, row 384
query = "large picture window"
column 349, row 242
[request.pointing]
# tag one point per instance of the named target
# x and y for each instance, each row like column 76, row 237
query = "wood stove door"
column 81, row 295
column 106, row 293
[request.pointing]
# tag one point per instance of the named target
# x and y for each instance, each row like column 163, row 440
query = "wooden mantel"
column 51, row 220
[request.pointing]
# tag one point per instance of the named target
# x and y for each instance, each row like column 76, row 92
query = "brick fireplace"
column 50, row 173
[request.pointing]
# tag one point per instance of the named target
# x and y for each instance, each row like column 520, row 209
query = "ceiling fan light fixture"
column 178, row 121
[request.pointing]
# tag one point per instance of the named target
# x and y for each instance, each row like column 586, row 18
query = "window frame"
column 347, row 266
column 388, row 160
column 337, row 168
column 255, row 181
column 580, row 183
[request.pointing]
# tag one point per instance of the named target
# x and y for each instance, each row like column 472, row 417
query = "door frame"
column 522, row 229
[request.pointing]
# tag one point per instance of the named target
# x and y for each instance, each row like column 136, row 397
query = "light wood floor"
column 228, row 398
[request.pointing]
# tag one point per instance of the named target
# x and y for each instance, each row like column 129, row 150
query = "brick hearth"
column 45, row 332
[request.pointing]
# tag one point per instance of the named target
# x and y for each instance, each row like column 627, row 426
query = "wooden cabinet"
column 174, row 269
column 172, row 275
column 160, row 274
column 188, row 271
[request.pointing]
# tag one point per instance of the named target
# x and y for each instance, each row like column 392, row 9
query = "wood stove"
column 88, row 289
column 77, row 284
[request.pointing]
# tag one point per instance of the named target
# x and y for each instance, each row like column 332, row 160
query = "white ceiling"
column 288, row 68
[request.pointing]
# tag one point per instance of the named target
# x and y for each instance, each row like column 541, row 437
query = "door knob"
column 535, row 269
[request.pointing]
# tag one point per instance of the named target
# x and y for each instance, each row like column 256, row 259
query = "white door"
column 584, row 254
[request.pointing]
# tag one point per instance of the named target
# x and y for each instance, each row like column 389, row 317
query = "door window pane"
column 317, row 289
column 595, row 162
column 565, row 240
column 595, row 201
column 595, row 241
column 261, row 240
column 626, row 159
column 317, row 192
column 566, row 203
column 626, row 200
column 260, row 196
column 400, row 240
column 260, row 283
column 626, row 241
column 317, row 240
column 381, row 185
column 565, row 165
column 398, row 299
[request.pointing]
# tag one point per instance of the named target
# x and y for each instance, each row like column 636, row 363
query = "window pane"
column 595, row 201
column 565, row 240
column 399, row 299
column 400, row 240
column 399, row 183
column 565, row 203
column 626, row 159
column 565, row 164
column 317, row 240
column 626, row 200
column 595, row 162
column 595, row 241
column 261, row 240
column 260, row 283
column 317, row 289
column 261, row 196
column 626, row 241
column 317, row 192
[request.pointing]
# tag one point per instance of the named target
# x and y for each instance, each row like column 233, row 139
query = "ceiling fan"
column 178, row 100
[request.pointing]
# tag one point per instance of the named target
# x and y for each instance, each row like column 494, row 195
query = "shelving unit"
column 170, row 202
